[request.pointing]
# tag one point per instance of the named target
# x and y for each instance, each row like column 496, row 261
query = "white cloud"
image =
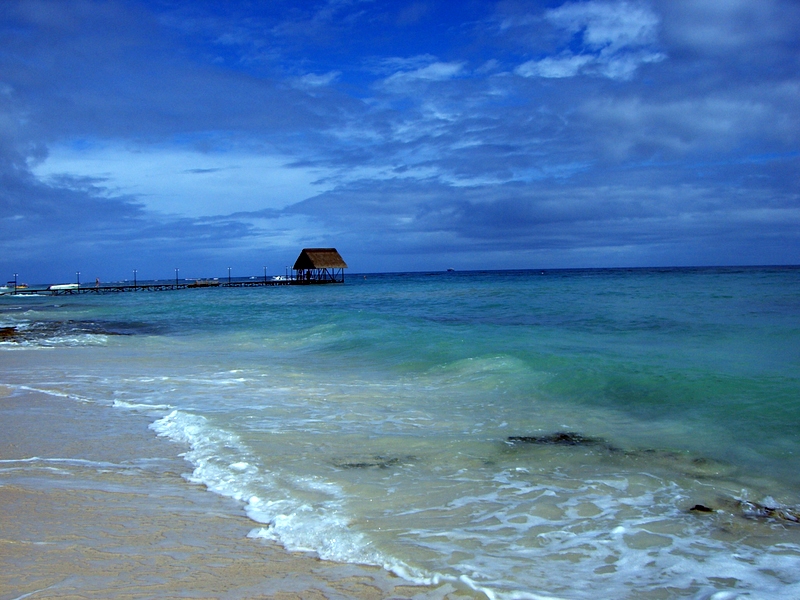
column 314, row 80
column 616, row 38
column 186, row 182
column 437, row 71
column 552, row 67
column 608, row 25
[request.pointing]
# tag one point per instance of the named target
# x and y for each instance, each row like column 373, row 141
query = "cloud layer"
column 416, row 135
column 608, row 39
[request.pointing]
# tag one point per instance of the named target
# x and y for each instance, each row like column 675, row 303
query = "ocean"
column 575, row 434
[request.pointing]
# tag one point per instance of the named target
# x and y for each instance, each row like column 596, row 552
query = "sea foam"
column 226, row 466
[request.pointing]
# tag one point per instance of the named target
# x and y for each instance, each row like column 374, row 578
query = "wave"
column 44, row 334
column 303, row 514
column 141, row 407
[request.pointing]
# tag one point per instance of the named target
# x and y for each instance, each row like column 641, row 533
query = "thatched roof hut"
column 319, row 265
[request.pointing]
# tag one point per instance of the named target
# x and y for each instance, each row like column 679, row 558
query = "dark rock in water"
column 762, row 511
column 752, row 510
column 367, row 464
column 695, row 466
column 375, row 462
column 560, row 438
column 44, row 331
column 744, row 508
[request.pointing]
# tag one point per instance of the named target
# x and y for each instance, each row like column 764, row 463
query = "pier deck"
column 157, row 286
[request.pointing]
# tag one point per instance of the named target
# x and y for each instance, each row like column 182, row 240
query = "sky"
column 411, row 135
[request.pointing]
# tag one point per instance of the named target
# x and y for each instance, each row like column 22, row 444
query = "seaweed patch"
column 766, row 510
column 696, row 466
column 374, row 462
column 46, row 332
column 561, row 438
column 756, row 510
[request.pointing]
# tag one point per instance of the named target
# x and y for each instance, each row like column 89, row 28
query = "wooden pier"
column 157, row 286
column 314, row 266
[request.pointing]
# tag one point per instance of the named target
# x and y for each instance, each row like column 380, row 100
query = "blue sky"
column 411, row 135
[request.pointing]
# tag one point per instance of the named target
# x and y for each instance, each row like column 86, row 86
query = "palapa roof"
column 319, row 258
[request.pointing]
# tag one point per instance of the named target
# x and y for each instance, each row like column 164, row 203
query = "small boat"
column 60, row 286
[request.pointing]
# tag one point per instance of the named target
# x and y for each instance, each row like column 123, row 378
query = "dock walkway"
column 159, row 286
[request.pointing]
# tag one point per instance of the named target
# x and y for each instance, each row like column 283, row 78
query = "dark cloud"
column 642, row 212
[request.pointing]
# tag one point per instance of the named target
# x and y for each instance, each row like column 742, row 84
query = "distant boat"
column 60, row 286
column 450, row 270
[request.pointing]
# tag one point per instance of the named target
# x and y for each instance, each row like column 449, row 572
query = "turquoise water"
column 519, row 434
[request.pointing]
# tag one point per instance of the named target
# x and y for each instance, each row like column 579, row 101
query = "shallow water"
column 409, row 420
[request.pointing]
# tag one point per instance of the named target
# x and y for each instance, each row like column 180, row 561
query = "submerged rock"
column 42, row 332
column 560, row 438
column 374, row 462
column 563, row 438
column 765, row 511
column 751, row 510
column 696, row 466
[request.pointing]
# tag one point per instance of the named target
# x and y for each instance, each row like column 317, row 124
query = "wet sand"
column 80, row 519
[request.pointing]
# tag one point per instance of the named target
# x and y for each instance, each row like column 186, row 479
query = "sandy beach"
column 74, row 528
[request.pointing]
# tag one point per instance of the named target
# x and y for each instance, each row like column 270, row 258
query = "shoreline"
column 76, row 525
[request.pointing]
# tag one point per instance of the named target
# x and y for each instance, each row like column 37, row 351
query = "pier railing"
column 157, row 286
